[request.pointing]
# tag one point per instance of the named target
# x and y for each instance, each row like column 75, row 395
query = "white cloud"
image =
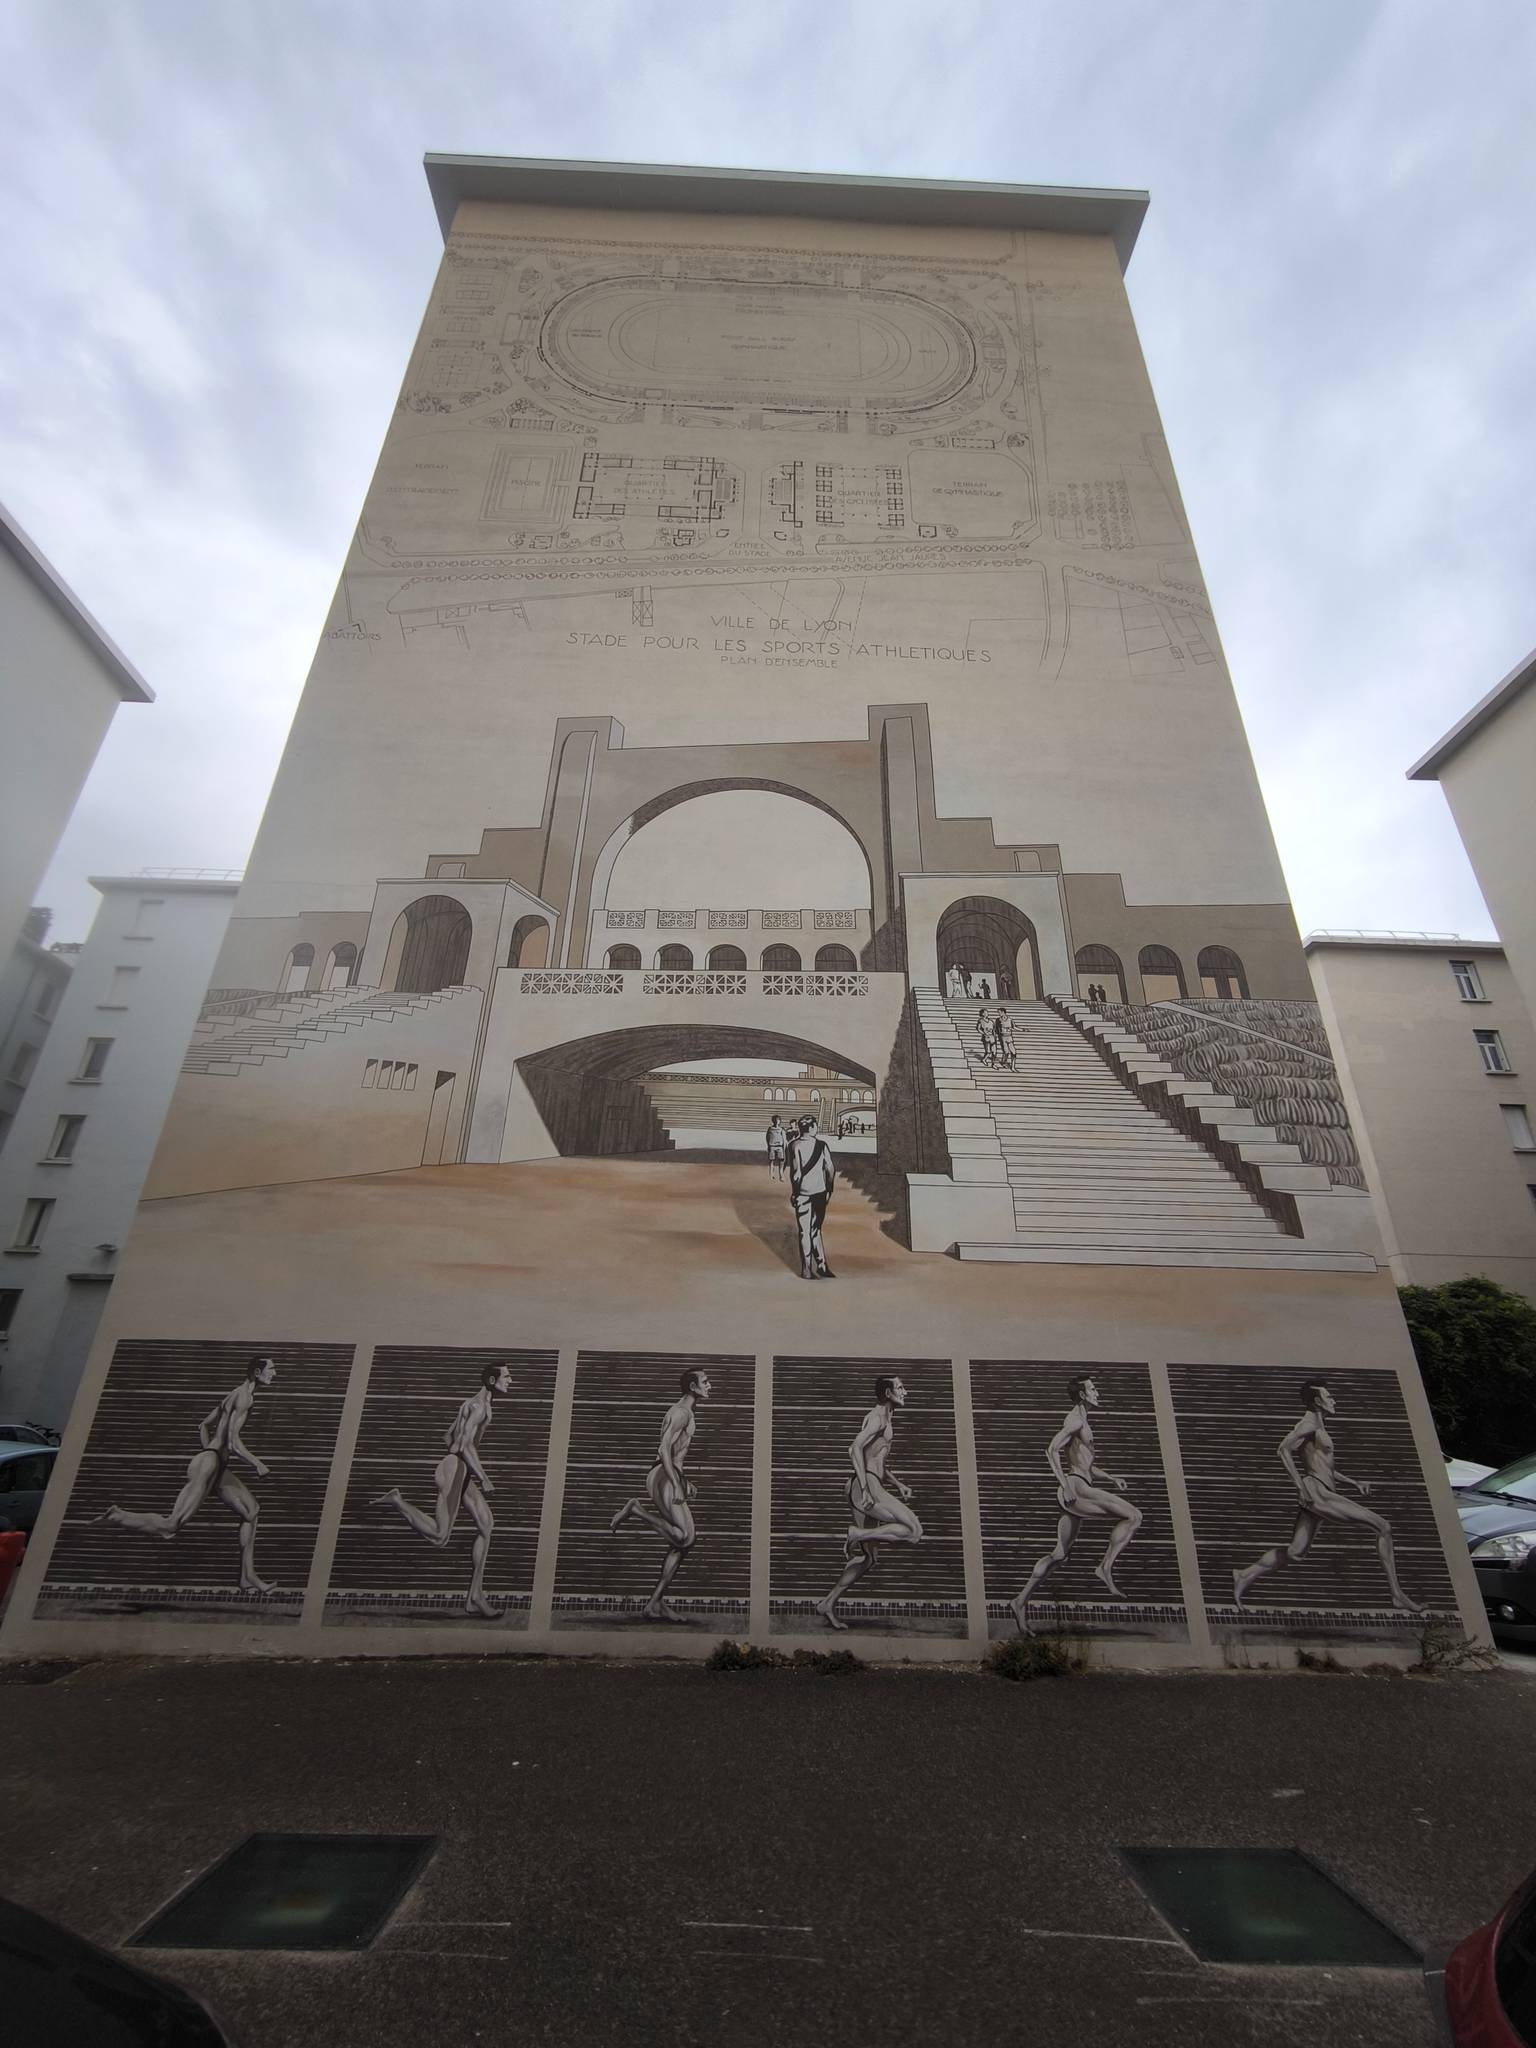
column 219, row 241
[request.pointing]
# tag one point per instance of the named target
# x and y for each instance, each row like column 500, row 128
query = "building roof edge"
column 1427, row 769
column 17, row 543
column 1400, row 942
column 157, row 885
column 817, row 195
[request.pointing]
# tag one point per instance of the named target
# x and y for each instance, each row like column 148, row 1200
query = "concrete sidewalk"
column 660, row 1853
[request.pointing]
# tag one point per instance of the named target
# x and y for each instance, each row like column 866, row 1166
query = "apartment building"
column 86, row 1130
column 1437, row 1065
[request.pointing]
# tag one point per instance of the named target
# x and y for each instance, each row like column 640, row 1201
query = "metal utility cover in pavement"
column 1264, row 1906
column 293, row 1892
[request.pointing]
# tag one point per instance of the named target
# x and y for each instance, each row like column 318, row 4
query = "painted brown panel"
column 819, row 1408
column 1019, row 1407
column 1232, row 1420
column 606, row 1576
column 144, row 1459
column 387, row 1570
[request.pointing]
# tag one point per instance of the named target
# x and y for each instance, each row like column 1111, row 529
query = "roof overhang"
column 1396, row 942
column 163, row 885
column 1481, row 714
column 813, row 195
column 35, row 564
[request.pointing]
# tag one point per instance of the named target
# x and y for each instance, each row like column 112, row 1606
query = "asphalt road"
column 632, row 1854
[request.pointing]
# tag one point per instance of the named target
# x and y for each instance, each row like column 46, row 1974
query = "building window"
column 22, row 1065
column 34, row 1221
column 623, row 958
column 1518, row 1125
column 124, row 980
column 1495, row 1058
column 96, row 1050
column 370, row 1072
column 147, row 917
column 66, row 1135
column 1468, row 986
column 10, row 1301
column 450, row 871
column 47, row 1000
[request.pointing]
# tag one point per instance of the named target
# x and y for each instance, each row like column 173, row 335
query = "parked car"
column 60, row 1991
column 34, row 1433
column 25, row 1470
column 1498, row 1519
column 1490, row 1979
column 1463, row 1472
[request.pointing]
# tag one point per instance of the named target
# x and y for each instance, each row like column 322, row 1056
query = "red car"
column 1490, row 1980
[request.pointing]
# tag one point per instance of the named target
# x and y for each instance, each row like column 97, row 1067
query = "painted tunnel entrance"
column 987, row 936
column 592, row 1095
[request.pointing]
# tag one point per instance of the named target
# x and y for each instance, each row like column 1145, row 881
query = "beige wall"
column 1453, row 1195
column 880, row 519
column 56, row 703
column 1095, row 671
column 1489, row 784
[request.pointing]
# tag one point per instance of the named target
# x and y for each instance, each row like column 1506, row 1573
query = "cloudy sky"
column 217, row 244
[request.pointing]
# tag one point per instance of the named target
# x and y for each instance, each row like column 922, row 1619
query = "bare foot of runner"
column 829, row 1614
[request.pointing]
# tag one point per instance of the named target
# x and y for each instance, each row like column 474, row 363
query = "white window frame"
column 1517, row 1123
column 67, row 1127
column 1469, row 983
column 1495, row 1059
column 32, row 1227
column 90, row 1053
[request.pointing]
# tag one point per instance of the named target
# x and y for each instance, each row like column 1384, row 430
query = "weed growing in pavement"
column 729, row 1656
column 1025, row 1657
column 1318, row 1660
column 1444, row 1652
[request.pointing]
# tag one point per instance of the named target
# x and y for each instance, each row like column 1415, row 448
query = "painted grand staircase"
column 1096, row 1176
column 279, row 1025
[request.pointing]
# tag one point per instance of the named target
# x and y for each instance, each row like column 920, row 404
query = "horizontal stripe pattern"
column 621, row 1400
column 143, row 1438
column 414, row 1393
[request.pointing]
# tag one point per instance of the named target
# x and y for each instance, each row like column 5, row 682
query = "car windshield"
column 1514, row 1482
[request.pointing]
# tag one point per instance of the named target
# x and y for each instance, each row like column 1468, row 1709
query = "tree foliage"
column 1476, row 1346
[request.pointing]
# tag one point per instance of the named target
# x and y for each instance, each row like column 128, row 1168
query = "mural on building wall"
column 441, row 1518
column 1308, row 1501
column 933, row 1021
column 1076, row 1529
column 202, row 1482
column 866, row 1504
column 672, row 1551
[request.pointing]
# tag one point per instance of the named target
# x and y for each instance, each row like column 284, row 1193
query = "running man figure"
column 877, row 1498
column 1082, row 1491
column 209, row 1472
column 664, row 1505
column 1307, row 1455
column 462, row 1481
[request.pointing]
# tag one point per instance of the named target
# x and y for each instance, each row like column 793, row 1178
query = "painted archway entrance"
column 986, row 936
column 588, row 1091
column 428, row 947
